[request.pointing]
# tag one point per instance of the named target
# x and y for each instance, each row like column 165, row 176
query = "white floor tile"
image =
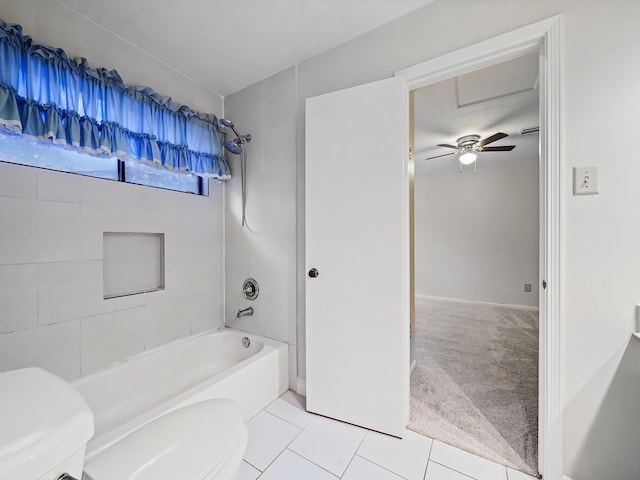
column 407, row 457
column 435, row 471
column 516, row 475
column 466, row 463
column 329, row 443
column 287, row 408
column 291, row 466
column 361, row 469
column 247, row 472
column 268, row 436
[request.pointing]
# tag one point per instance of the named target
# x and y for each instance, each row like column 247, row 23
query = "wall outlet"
column 527, row 287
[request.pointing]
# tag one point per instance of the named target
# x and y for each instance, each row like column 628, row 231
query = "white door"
column 357, row 238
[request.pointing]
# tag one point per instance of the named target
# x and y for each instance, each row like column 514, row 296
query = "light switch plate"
column 585, row 180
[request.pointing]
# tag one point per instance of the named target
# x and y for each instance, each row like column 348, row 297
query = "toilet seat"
column 202, row 441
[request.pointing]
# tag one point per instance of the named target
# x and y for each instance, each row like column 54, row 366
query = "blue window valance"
column 47, row 96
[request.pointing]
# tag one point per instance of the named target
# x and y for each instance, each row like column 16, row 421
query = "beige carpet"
column 476, row 381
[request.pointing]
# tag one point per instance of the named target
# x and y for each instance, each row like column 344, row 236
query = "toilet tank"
column 45, row 425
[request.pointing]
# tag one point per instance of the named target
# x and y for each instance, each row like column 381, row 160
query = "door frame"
column 544, row 37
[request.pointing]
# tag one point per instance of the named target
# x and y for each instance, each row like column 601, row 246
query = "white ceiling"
column 502, row 98
column 226, row 45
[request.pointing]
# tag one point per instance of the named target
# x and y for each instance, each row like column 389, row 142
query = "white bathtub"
column 213, row 364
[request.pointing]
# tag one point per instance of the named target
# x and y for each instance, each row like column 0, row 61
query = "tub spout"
column 244, row 312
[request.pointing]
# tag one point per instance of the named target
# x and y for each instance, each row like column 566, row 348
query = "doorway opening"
column 476, row 229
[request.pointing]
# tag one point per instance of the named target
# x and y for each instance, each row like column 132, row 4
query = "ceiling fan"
column 469, row 146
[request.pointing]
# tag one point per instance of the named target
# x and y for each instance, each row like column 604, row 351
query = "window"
column 14, row 149
column 144, row 174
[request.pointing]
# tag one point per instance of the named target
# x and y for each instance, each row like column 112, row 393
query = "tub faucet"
column 244, row 312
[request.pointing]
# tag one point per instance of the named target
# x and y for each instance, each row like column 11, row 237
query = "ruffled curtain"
column 47, row 96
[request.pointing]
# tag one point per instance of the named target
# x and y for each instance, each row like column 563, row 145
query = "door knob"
column 313, row 273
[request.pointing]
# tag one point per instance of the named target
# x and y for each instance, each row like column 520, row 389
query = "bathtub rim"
column 104, row 440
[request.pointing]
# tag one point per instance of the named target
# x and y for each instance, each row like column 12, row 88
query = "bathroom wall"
column 265, row 248
column 52, row 311
column 601, row 233
column 52, row 23
column 476, row 234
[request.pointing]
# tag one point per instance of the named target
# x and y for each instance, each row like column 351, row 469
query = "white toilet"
column 45, row 425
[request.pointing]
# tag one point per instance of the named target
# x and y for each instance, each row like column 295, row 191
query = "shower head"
column 233, row 146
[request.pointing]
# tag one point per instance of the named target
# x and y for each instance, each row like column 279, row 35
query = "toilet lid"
column 188, row 443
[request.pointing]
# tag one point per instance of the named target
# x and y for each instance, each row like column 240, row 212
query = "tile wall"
column 266, row 248
column 52, row 310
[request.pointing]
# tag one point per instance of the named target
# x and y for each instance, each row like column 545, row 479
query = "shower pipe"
column 235, row 147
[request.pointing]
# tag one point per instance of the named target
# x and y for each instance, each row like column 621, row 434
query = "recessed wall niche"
column 133, row 263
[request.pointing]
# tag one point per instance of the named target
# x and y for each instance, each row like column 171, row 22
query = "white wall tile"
column 97, row 219
column 237, row 270
column 166, row 321
column 265, row 250
column 70, row 290
column 140, row 300
column 18, row 297
column 55, row 348
column 35, row 231
column 61, row 187
column 189, row 274
column 251, row 324
column 112, row 337
column 205, row 311
column 276, row 323
column 17, row 181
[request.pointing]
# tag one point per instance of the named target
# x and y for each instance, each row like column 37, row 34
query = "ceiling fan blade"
column 505, row 148
column 448, row 146
column 493, row 138
column 438, row 156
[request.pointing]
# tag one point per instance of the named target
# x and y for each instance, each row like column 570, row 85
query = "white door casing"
column 544, row 37
column 357, row 237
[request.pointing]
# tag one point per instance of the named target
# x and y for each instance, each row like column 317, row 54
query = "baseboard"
column 301, row 386
column 414, row 364
column 477, row 302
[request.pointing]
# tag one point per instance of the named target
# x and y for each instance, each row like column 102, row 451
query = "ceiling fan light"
column 468, row 158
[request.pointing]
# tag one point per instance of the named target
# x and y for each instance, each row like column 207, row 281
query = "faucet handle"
column 250, row 289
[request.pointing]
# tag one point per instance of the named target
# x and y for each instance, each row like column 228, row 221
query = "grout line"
column 453, row 469
column 378, row 465
column 284, row 419
column 272, row 462
column 355, row 453
column 312, row 462
column 424, row 475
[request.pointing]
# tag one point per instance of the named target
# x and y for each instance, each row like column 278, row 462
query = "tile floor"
column 288, row 443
